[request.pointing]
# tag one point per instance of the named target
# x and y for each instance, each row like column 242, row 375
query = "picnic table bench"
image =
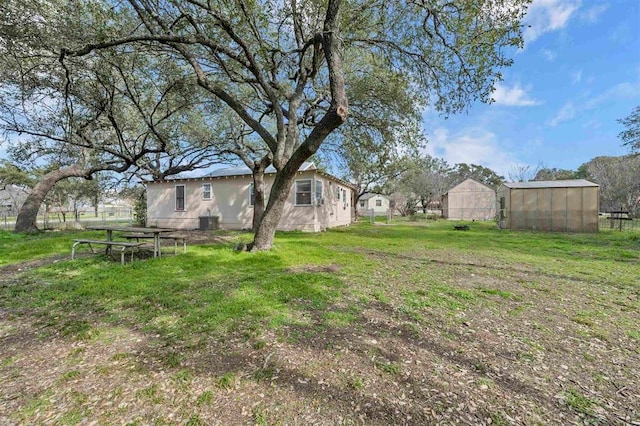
column 152, row 233
column 125, row 245
column 176, row 238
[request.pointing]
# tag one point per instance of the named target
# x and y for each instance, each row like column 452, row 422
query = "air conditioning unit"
column 208, row 223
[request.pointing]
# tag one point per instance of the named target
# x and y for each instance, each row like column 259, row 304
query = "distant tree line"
column 418, row 183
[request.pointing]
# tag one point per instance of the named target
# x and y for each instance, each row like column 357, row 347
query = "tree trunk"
column 266, row 229
column 258, row 200
column 287, row 160
column 28, row 215
column 258, row 168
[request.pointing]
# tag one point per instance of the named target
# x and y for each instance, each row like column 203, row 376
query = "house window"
column 303, row 192
column 206, row 191
column 179, row 197
column 252, row 195
column 378, row 203
column 344, row 199
column 338, row 193
column 362, row 204
column 318, row 192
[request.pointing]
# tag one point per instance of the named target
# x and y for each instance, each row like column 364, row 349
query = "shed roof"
column 571, row 183
column 466, row 179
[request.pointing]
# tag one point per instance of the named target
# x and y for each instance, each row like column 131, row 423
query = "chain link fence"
column 68, row 221
column 608, row 222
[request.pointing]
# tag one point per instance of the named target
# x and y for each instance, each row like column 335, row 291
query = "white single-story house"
column 377, row 202
column 224, row 199
column 11, row 199
column 469, row 200
column 557, row 205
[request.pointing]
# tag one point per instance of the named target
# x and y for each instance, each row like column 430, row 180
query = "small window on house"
column 344, row 199
column 303, row 192
column 378, row 203
column 361, row 203
column 206, row 191
column 179, row 197
column 338, row 193
column 319, row 192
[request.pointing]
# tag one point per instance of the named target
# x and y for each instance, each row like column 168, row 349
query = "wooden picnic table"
column 136, row 230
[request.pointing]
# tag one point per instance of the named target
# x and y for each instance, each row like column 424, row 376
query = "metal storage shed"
column 560, row 205
column 469, row 200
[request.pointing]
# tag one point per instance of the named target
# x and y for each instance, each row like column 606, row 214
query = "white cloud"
column 622, row 34
column 566, row 113
column 576, row 77
column 593, row 14
column 624, row 90
column 592, row 125
column 470, row 145
column 550, row 55
column 512, row 96
column 620, row 91
column 546, row 16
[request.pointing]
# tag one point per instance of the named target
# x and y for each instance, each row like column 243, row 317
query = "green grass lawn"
column 531, row 292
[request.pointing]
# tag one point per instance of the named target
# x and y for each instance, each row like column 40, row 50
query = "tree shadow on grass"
column 267, row 325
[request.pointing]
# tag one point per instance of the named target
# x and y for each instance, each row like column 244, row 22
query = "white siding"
column 230, row 202
column 372, row 204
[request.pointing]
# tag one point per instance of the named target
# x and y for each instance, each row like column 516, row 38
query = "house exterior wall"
column 371, row 204
column 572, row 209
column 11, row 199
column 470, row 200
column 230, row 202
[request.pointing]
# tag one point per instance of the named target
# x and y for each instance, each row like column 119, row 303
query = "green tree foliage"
column 69, row 195
column 138, row 194
column 287, row 68
column 462, row 171
column 631, row 135
column 556, row 174
column 129, row 111
column 383, row 130
column 420, row 185
column 619, row 180
column 11, row 174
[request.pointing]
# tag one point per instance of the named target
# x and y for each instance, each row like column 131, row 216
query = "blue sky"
column 558, row 104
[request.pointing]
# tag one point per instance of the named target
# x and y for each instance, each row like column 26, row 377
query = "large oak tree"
column 284, row 67
column 127, row 111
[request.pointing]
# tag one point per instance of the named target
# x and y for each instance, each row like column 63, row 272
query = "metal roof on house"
column 242, row 171
column 231, row 172
column 572, row 183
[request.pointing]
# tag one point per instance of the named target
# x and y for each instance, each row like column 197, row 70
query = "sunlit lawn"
column 425, row 275
column 212, row 287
